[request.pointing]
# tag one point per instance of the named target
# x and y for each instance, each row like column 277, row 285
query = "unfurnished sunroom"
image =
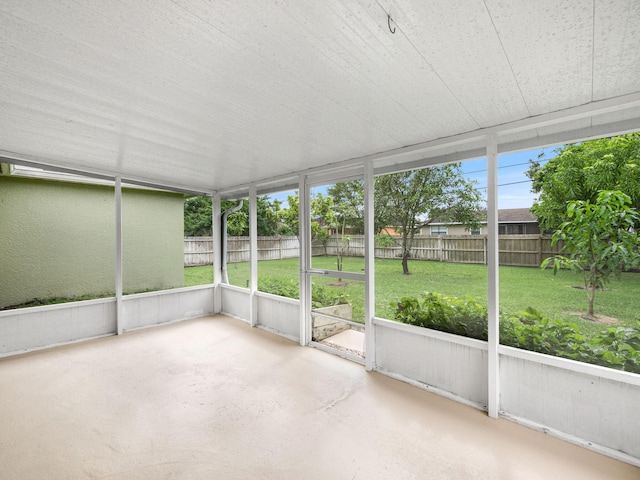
column 236, row 100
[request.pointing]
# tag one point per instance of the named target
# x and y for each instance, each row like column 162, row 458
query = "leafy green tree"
column 290, row 216
column 344, row 213
column 237, row 222
column 281, row 227
column 600, row 239
column 267, row 218
column 197, row 217
column 351, row 195
column 321, row 215
column 580, row 171
column 414, row 199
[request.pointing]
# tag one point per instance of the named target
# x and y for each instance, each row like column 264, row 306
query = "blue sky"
column 514, row 188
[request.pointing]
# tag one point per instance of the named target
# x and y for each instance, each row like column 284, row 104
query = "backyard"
column 554, row 296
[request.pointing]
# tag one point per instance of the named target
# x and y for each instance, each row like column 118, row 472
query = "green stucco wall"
column 153, row 240
column 57, row 239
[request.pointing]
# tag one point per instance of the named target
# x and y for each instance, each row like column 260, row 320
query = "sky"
column 514, row 188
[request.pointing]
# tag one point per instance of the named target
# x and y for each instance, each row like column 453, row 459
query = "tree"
column 321, row 215
column 415, row 198
column 600, row 239
column 343, row 214
column 351, row 195
column 580, row 171
column 237, row 222
column 197, row 217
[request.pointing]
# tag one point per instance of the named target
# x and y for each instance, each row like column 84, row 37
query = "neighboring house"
column 57, row 237
column 439, row 228
column 517, row 221
column 511, row 221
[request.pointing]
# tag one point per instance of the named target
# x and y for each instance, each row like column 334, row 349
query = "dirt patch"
column 580, row 287
column 602, row 319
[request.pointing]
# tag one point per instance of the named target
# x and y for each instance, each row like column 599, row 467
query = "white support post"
column 118, row 213
column 253, row 252
column 216, row 233
column 369, row 268
column 304, row 234
column 493, row 279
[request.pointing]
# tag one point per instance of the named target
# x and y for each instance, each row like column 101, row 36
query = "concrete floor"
column 350, row 341
column 213, row 398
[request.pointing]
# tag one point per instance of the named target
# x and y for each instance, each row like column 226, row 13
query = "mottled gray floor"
column 212, row 398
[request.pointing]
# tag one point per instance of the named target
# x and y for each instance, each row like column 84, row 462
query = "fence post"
column 484, row 243
column 540, row 250
column 440, row 249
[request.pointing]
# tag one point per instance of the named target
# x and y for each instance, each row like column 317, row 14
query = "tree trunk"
column 592, row 297
column 405, row 264
column 406, row 250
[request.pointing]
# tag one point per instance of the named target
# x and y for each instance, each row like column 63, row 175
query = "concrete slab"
column 350, row 341
column 214, row 398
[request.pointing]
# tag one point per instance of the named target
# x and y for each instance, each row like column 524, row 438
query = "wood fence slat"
column 514, row 250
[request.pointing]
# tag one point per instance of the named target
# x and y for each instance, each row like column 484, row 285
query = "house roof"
column 516, row 215
column 505, row 215
column 214, row 96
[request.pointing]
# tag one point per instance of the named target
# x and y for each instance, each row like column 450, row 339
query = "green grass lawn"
column 520, row 287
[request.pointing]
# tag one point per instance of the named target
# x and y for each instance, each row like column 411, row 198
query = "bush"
column 445, row 313
column 529, row 330
column 322, row 297
column 276, row 286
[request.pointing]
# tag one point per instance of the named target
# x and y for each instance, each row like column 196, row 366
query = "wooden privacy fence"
column 515, row 250
column 199, row 250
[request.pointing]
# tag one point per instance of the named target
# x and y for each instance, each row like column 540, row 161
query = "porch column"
column 493, row 280
column 369, row 268
column 216, row 223
column 304, row 234
column 118, row 213
column 253, row 256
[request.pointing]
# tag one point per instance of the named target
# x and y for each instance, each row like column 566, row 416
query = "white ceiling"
column 215, row 95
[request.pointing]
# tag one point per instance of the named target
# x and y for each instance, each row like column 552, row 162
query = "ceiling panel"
column 214, row 95
column 462, row 47
column 616, row 47
column 549, row 44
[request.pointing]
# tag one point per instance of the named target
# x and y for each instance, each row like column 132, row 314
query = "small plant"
column 277, row 286
column 445, row 313
column 529, row 330
column 326, row 297
column 322, row 297
column 618, row 347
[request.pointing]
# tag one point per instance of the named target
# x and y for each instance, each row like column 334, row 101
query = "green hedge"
column 322, row 297
column 615, row 347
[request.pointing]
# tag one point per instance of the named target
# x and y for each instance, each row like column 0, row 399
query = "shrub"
column 445, row 313
column 529, row 330
column 276, row 286
column 322, row 297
